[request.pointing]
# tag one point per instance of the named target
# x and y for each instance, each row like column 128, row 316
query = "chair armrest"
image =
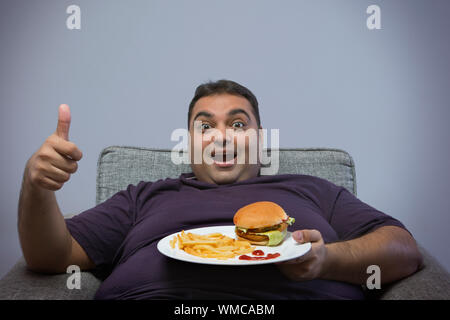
column 22, row 284
column 431, row 282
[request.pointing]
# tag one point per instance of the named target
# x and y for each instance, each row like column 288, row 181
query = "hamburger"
column 262, row 223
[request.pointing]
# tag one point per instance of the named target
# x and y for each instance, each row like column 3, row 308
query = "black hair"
column 224, row 87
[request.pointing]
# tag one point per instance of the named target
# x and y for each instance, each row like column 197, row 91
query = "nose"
column 223, row 137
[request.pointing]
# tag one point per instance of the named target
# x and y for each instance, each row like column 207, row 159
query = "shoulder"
column 303, row 180
column 166, row 183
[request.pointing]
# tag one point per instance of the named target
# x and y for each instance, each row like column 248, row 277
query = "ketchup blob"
column 259, row 256
column 258, row 253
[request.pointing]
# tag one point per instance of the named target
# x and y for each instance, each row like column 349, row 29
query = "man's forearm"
column 43, row 234
column 391, row 248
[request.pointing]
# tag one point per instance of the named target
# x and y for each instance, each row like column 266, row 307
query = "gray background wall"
column 320, row 75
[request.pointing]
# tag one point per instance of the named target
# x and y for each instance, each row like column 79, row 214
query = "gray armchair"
column 120, row 166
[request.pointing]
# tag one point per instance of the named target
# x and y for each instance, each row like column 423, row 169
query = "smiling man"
column 230, row 117
column 119, row 236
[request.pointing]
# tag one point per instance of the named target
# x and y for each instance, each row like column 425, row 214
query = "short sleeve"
column 101, row 229
column 352, row 218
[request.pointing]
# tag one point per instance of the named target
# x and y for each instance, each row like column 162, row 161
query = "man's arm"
column 391, row 248
column 46, row 242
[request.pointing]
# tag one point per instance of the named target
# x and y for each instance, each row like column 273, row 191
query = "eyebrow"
column 231, row 113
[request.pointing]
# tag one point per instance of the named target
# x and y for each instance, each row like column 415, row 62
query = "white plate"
column 288, row 249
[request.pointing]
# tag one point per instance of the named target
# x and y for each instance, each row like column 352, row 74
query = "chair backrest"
column 119, row 166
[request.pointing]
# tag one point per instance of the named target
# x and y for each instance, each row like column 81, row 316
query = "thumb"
column 303, row 236
column 298, row 236
column 62, row 130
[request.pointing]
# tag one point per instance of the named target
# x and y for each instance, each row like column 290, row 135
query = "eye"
column 239, row 122
column 205, row 126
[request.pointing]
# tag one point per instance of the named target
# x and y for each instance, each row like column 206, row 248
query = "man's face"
column 222, row 125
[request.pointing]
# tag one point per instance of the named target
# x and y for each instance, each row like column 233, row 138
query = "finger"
column 50, row 184
column 301, row 272
column 298, row 260
column 311, row 235
column 67, row 148
column 57, row 175
column 64, row 163
column 62, row 129
column 55, row 154
column 303, row 236
column 302, row 259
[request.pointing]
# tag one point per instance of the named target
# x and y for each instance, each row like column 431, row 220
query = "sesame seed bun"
column 259, row 214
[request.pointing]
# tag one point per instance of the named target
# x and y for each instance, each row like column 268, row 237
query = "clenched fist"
column 51, row 166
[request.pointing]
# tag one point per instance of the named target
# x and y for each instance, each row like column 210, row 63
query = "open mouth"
column 224, row 159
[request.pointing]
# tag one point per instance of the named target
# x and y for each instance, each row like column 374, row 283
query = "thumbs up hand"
column 52, row 165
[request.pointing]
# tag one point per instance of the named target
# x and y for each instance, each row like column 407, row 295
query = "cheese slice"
column 275, row 236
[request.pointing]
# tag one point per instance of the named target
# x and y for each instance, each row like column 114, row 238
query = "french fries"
column 212, row 245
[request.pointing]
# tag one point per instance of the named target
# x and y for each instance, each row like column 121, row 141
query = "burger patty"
column 265, row 229
column 250, row 234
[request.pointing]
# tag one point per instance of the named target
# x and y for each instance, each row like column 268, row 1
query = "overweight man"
column 118, row 238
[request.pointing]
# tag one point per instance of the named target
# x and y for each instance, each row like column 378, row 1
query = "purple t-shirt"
column 120, row 235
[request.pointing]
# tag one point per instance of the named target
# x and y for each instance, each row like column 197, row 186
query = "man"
column 119, row 236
